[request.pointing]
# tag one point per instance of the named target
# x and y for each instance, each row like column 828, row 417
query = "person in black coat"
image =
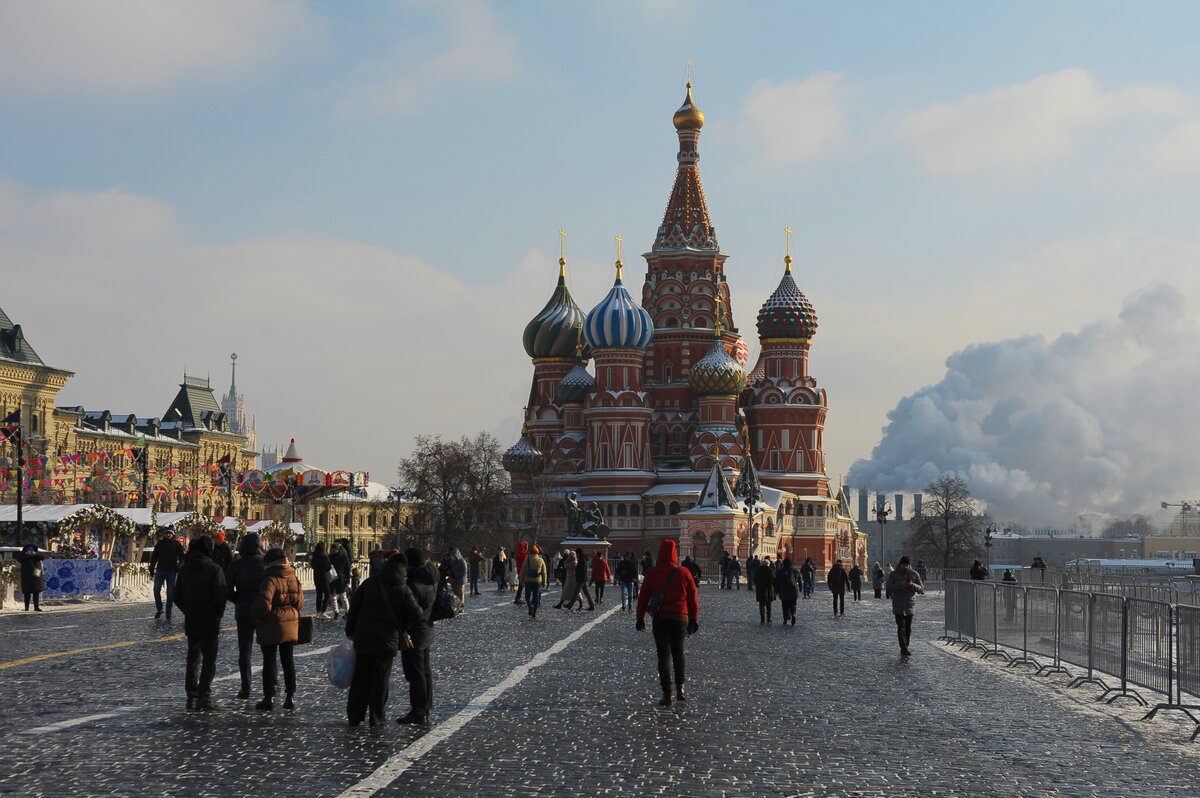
column 581, row 585
column 200, row 594
column 32, row 581
column 243, row 579
column 164, row 565
column 423, row 580
column 838, row 579
column 339, row 558
column 222, row 554
column 764, row 591
column 320, row 568
column 787, row 590
column 382, row 611
column 856, row 577
column 979, row 571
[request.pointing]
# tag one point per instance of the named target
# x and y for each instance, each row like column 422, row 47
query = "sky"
column 363, row 201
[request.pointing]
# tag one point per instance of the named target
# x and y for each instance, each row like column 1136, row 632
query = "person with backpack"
column 601, row 573
column 785, row 588
column 200, row 595
column 423, row 581
column 535, row 577
column 381, row 612
column 669, row 595
column 764, row 590
column 627, row 574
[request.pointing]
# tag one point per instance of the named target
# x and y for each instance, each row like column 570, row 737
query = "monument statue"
column 584, row 522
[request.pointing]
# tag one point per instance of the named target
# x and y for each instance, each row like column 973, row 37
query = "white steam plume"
column 1103, row 420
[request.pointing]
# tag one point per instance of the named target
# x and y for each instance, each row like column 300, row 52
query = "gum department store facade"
column 668, row 435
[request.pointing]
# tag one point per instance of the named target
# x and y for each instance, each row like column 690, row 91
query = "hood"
column 668, row 553
column 248, row 544
column 522, row 548
column 393, row 573
column 279, row 568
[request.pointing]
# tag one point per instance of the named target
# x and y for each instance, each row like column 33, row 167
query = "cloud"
column 1092, row 421
column 1176, row 151
column 1025, row 124
column 475, row 47
column 791, row 122
column 129, row 47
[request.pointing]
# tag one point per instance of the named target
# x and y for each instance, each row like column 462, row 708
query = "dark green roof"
column 195, row 398
column 13, row 345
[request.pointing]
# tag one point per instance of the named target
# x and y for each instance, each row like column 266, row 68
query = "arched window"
column 620, row 511
column 660, row 508
column 672, row 323
column 668, row 371
column 635, row 509
column 674, row 508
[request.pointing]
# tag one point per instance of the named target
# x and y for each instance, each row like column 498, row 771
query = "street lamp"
column 883, row 511
column 988, row 532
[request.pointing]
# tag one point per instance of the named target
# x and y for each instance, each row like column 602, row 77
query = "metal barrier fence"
column 1143, row 642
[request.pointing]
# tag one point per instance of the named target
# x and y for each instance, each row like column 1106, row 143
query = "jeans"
column 668, row 642
column 839, row 598
column 627, row 594
column 369, row 688
column 904, row 629
column 201, row 661
column 420, row 679
column 271, row 676
column 168, row 577
column 857, row 589
column 245, row 633
column 808, row 586
column 533, row 596
column 474, row 583
column 322, row 597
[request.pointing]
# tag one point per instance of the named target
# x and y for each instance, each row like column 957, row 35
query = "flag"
column 11, row 426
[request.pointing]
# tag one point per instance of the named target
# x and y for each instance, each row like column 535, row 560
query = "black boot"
column 289, row 703
column 680, row 693
column 666, row 699
column 414, row 717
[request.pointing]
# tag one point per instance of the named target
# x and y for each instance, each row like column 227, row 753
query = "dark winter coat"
column 243, row 578
column 647, row 564
column 377, row 629
column 166, row 555
column 200, row 593
column 340, row 561
column 627, row 571
column 457, row 567
column 808, row 570
column 581, row 567
column 423, row 581
column 691, row 565
column 979, row 572
column 856, row 575
column 785, row 584
column 320, row 567
column 680, row 599
column 764, row 585
column 837, row 579
column 276, row 608
column 32, row 580
column 222, row 555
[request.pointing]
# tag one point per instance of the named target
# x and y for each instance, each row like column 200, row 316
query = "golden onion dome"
column 689, row 116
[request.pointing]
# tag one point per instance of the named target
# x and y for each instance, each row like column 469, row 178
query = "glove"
column 641, row 625
column 693, row 627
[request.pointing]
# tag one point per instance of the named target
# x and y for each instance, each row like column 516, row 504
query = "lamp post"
column 883, row 511
column 988, row 533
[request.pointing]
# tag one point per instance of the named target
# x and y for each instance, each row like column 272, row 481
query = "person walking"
column 164, row 566
column 723, row 571
column 32, row 576
column 676, row 614
column 751, row 565
column 456, row 570
column 877, row 576
column 601, row 574
column 475, row 562
column 735, row 573
column 808, row 575
column 627, row 577
column 339, row 560
column 222, row 554
column 518, row 569
column 837, row 580
column 276, row 609
column 581, row 580
column 979, row 571
column 381, row 613
column 423, row 581
column 320, row 569
column 786, row 589
column 500, row 569
column 904, row 585
column 569, row 591
column 764, row 591
column 200, row 593
column 694, row 567
column 856, row 577
column 243, row 578
column 536, row 578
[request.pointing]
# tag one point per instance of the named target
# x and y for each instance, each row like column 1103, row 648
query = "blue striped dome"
column 618, row 322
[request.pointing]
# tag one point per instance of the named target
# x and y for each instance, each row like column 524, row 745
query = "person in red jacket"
column 601, row 573
column 673, row 588
column 522, row 553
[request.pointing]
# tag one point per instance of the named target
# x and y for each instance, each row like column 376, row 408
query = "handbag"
column 446, row 605
column 332, row 575
column 306, row 630
column 655, row 602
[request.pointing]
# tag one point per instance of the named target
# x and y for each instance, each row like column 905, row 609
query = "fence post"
column 974, row 642
column 1123, row 690
column 995, row 650
column 1090, row 677
column 950, row 600
column 1025, row 660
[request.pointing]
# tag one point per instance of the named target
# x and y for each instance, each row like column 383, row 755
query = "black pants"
column 839, row 598
column 789, row 610
column 904, row 630
column 581, row 587
column 857, row 592
column 668, row 642
column 322, row 597
column 369, row 688
column 420, row 679
column 201, row 661
column 271, row 676
column 599, row 591
column 34, row 596
column 878, row 592
column 245, row 632
column 764, row 611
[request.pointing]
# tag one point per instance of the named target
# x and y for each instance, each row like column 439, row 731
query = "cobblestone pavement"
column 825, row 708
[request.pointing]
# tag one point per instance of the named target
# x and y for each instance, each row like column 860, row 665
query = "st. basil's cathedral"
column 668, row 435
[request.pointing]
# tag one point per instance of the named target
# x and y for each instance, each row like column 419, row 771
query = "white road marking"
column 390, row 770
column 67, row 724
column 38, row 629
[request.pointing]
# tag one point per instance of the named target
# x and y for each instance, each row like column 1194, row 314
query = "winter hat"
column 219, row 537
column 274, row 555
column 415, row 557
column 248, row 545
column 536, row 550
column 904, row 560
column 202, row 544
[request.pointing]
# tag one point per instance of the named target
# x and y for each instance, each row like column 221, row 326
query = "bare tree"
column 948, row 527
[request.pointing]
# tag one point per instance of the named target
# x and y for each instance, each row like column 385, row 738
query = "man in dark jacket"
column 581, row 585
column 423, row 580
column 627, row 577
column 222, row 554
column 751, row 565
column 694, row 567
column 979, row 571
column 164, row 565
column 837, row 579
column 200, row 594
column 243, row 579
column 904, row 585
column 381, row 613
column 339, row 560
column 764, row 590
column 856, row 577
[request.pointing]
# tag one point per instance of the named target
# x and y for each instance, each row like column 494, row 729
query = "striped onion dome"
column 554, row 331
column 576, row 385
column 618, row 322
column 523, row 458
column 787, row 312
column 758, row 372
column 717, row 373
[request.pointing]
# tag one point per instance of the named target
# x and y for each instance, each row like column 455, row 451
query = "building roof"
column 195, row 398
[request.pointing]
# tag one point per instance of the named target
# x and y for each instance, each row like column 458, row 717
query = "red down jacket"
column 680, row 602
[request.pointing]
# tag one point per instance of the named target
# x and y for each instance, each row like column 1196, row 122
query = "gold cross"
column 619, row 239
column 689, row 64
column 788, row 231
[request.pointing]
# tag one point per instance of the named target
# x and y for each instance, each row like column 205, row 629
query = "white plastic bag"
column 341, row 664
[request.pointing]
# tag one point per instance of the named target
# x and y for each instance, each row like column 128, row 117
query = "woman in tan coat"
column 276, row 612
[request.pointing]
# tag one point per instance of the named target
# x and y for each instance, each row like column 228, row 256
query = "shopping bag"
column 306, row 631
column 341, row 664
